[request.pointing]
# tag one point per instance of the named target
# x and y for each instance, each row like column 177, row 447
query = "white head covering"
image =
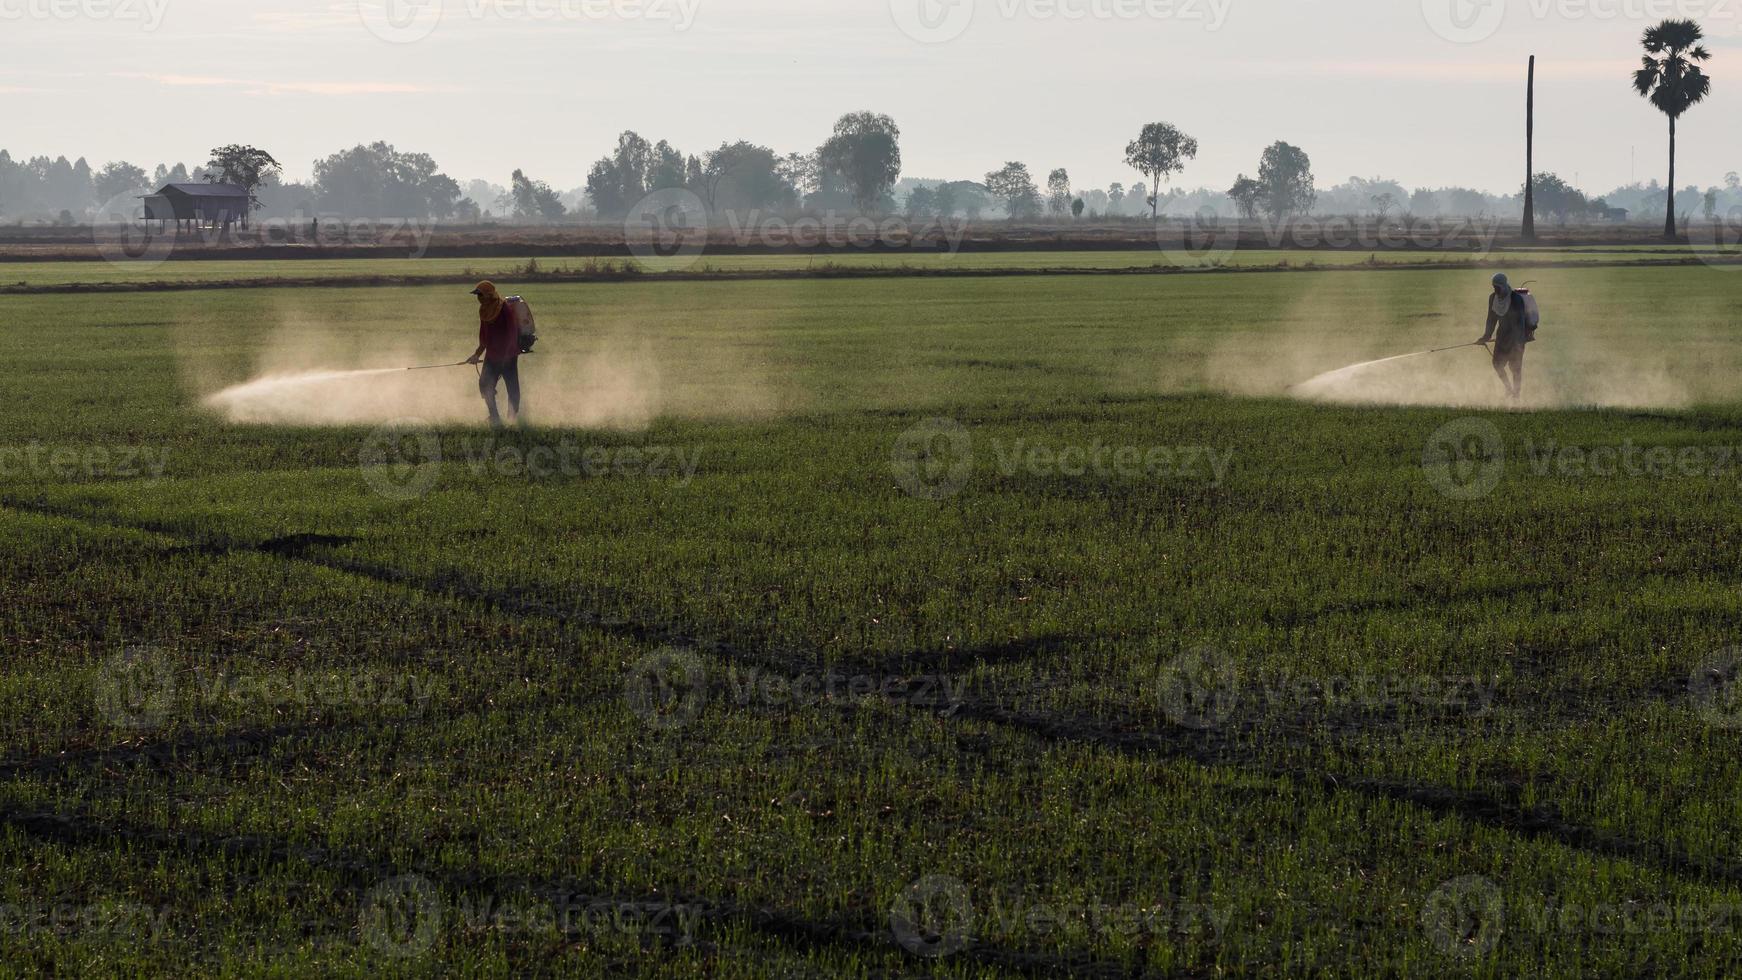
column 1501, row 302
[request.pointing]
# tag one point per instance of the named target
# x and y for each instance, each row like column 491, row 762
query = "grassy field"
column 86, row 273
column 959, row 628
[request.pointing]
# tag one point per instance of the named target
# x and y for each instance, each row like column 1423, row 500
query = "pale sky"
column 1367, row 87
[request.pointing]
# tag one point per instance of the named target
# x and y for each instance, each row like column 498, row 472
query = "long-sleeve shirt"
column 500, row 338
column 1513, row 328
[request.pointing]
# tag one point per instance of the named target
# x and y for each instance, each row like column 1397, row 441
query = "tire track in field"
column 362, row 875
column 1214, row 749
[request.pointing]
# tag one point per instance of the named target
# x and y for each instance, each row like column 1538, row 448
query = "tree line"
column 858, row 166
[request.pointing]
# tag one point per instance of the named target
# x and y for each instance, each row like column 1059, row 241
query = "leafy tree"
column 800, row 171
column 534, row 199
column 1013, row 185
column 244, row 167
column 1058, row 191
column 1557, row 197
column 1077, row 208
column 865, row 152
column 743, row 175
column 1247, row 194
column 1286, row 174
column 1383, row 202
column 922, row 202
column 944, row 200
column 617, row 181
column 44, row 186
column 666, row 167
column 1158, row 152
column 1711, row 204
column 379, row 181
column 1672, row 79
column 1733, row 181
column 1115, row 196
column 117, row 179
column 177, row 174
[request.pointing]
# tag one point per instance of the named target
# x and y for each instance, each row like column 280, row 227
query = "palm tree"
column 1674, row 83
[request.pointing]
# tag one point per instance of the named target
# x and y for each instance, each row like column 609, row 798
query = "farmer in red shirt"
column 498, row 350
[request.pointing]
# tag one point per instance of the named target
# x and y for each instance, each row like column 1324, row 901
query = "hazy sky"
column 1368, row 87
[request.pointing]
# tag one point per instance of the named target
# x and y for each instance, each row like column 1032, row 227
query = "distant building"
column 1613, row 214
column 216, row 204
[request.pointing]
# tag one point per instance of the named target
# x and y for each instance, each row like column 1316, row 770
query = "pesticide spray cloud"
column 1597, row 347
column 336, row 368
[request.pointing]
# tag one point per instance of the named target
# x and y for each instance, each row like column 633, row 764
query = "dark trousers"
column 507, row 372
column 1509, row 356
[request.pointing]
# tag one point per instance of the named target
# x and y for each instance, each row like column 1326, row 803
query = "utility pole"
column 1529, row 230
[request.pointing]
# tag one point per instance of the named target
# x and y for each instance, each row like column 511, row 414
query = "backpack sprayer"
column 523, row 322
column 1531, row 319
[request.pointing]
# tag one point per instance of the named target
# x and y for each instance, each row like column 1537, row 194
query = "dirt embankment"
column 818, row 235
